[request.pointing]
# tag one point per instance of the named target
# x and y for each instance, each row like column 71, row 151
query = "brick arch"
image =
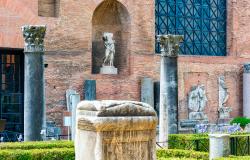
column 125, row 3
column 111, row 17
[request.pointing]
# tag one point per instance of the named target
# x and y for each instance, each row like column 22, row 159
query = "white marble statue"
column 224, row 111
column 109, row 44
column 197, row 101
column 223, row 92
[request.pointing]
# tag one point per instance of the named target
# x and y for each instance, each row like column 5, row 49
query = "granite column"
column 34, row 107
column 168, row 86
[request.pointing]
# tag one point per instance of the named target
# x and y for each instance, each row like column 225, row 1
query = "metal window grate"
column 202, row 22
column 11, row 91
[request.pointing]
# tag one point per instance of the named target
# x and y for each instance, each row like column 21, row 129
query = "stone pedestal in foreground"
column 115, row 130
column 219, row 145
column 34, row 108
column 108, row 70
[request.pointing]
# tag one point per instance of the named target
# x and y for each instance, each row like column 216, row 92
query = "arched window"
column 202, row 22
column 111, row 16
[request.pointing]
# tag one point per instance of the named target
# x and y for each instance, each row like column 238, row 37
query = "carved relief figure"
column 197, row 98
column 197, row 101
column 223, row 92
column 224, row 111
column 109, row 45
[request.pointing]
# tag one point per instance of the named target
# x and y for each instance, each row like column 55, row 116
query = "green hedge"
column 38, row 154
column 163, row 154
column 37, row 145
column 198, row 142
column 235, row 158
column 171, row 158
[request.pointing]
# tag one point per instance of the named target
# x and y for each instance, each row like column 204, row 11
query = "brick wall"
column 70, row 50
column 48, row 8
column 69, row 53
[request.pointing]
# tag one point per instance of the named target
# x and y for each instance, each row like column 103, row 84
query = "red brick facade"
column 69, row 53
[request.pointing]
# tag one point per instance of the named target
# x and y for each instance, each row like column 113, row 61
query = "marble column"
column 34, row 107
column 74, row 99
column 246, row 90
column 168, row 86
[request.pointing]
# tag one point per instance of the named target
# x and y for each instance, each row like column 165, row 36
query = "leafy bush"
column 243, row 121
column 38, row 154
column 37, row 145
column 163, row 154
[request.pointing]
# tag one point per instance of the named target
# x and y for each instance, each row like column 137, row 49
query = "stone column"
column 147, row 91
column 168, row 86
column 74, row 99
column 90, row 90
column 219, row 145
column 34, row 108
column 246, row 90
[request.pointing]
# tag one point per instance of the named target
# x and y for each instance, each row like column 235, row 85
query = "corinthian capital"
column 170, row 44
column 34, row 38
column 246, row 68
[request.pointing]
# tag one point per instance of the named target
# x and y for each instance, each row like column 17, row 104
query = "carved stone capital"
column 246, row 68
column 34, row 38
column 170, row 44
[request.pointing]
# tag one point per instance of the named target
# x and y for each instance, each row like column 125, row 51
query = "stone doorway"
column 12, row 91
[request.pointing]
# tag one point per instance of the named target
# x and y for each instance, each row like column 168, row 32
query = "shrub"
column 243, row 121
column 37, row 145
column 177, row 153
column 38, row 154
column 198, row 142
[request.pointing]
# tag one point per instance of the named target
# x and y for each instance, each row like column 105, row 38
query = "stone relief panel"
column 233, row 82
column 189, row 80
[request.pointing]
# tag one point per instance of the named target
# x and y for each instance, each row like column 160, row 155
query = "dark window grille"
column 11, row 91
column 202, row 22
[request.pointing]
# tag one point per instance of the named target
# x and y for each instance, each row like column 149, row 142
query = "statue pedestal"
column 197, row 116
column 224, row 120
column 108, row 70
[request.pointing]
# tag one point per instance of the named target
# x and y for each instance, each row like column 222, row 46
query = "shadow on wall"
column 111, row 16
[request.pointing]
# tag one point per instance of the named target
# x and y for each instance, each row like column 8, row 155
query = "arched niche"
column 111, row 16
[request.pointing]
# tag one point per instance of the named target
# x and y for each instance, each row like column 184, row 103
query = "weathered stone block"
column 115, row 130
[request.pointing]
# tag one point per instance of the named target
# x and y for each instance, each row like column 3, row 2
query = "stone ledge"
column 114, row 108
column 117, row 123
